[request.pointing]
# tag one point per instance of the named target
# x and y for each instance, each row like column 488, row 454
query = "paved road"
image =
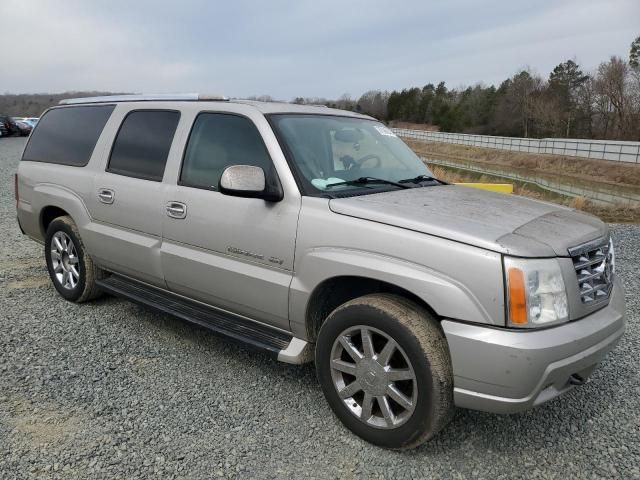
column 108, row 389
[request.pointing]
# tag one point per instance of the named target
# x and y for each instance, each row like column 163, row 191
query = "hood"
column 503, row 223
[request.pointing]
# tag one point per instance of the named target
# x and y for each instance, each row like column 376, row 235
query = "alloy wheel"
column 64, row 260
column 373, row 377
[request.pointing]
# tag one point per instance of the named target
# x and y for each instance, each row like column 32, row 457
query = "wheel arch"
column 335, row 291
column 50, row 201
column 48, row 214
column 353, row 273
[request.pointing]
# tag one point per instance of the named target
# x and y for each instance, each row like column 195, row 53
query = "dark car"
column 24, row 128
column 10, row 125
column 3, row 130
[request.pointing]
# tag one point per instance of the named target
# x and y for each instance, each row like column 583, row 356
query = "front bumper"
column 506, row 371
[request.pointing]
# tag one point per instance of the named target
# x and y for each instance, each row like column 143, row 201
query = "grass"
column 592, row 171
column 613, row 213
column 414, row 126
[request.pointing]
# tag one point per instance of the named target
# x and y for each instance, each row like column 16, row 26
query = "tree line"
column 570, row 103
column 33, row 104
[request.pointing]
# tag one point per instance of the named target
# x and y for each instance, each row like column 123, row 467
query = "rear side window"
column 67, row 135
column 142, row 145
column 217, row 141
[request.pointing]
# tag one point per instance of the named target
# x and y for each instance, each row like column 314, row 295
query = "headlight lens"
column 535, row 292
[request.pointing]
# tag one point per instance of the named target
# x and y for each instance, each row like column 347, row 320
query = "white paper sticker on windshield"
column 384, row 131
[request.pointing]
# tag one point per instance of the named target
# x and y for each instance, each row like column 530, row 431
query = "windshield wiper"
column 367, row 181
column 420, row 179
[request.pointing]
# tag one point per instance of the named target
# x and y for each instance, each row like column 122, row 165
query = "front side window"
column 142, row 145
column 67, row 135
column 217, row 141
column 329, row 150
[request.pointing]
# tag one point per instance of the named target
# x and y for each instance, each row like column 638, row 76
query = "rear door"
column 128, row 194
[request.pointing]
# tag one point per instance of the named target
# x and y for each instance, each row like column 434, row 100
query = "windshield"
column 327, row 151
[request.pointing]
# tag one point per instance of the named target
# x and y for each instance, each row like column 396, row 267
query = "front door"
column 230, row 252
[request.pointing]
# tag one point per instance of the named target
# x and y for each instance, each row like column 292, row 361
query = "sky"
column 321, row 48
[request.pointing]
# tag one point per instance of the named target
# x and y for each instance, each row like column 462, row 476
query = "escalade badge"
column 257, row 256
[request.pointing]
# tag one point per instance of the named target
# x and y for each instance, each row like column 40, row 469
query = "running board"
column 281, row 345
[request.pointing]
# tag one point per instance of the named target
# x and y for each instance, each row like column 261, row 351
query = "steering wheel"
column 368, row 158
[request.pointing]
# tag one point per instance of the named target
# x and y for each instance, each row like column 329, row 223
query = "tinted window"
column 67, row 135
column 142, row 145
column 217, row 141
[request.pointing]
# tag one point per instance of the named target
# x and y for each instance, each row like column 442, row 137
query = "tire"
column 72, row 263
column 419, row 368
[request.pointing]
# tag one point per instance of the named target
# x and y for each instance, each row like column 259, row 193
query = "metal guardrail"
column 617, row 151
column 596, row 193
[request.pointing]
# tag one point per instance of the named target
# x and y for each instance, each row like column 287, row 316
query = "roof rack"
column 145, row 98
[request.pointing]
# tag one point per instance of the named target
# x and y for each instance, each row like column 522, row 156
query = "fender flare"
column 51, row 195
column 446, row 296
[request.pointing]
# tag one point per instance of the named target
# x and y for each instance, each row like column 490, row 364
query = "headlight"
column 536, row 295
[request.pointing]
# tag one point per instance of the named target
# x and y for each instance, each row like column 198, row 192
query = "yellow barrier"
column 493, row 187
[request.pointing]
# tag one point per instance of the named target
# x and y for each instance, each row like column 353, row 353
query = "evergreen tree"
column 634, row 53
column 565, row 81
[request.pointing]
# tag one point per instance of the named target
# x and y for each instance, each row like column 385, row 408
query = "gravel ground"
column 111, row 390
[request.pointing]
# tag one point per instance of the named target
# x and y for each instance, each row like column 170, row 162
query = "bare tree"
column 634, row 64
column 586, row 105
column 345, row 102
column 33, row 104
column 374, row 103
column 612, row 85
column 547, row 114
column 262, row 98
column 514, row 110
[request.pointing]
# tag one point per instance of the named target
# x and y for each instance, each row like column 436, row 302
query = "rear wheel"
column 71, row 269
column 384, row 367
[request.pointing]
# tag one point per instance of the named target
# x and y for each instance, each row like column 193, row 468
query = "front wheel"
column 384, row 367
column 71, row 269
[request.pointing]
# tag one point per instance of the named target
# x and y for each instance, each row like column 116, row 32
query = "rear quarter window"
column 67, row 135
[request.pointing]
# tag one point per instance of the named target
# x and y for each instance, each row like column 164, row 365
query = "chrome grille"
column 593, row 263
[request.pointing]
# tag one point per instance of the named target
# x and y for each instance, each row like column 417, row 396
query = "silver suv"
column 313, row 233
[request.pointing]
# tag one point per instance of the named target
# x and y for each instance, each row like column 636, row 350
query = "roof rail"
column 145, row 98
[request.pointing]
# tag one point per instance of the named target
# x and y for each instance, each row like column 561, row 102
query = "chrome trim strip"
column 586, row 247
column 144, row 98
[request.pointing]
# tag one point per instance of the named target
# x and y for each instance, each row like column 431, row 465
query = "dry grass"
column 578, row 202
column 613, row 213
column 414, row 126
column 593, row 171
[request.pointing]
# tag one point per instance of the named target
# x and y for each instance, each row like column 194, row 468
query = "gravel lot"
column 111, row 390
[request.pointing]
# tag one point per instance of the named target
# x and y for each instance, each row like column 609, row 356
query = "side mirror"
column 250, row 182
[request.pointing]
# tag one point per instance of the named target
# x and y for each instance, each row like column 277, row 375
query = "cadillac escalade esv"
column 317, row 234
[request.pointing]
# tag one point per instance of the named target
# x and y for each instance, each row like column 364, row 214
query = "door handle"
column 176, row 210
column 106, row 195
